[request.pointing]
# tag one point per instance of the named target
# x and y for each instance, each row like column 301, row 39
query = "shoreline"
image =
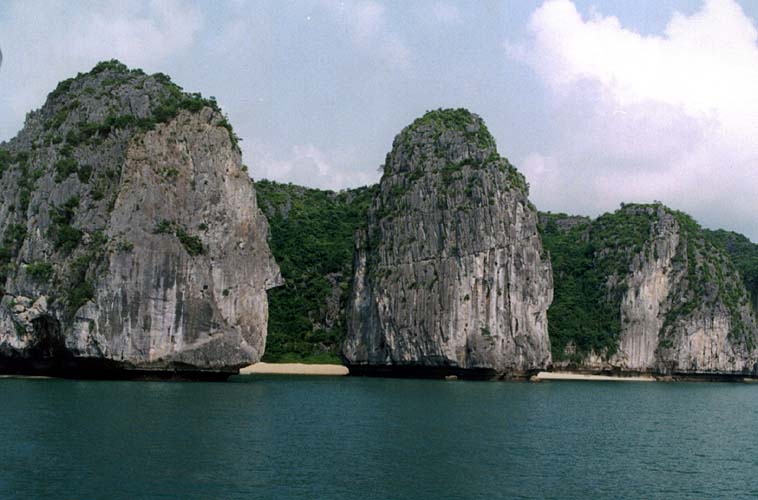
column 591, row 377
column 335, row 370
column 295, row 369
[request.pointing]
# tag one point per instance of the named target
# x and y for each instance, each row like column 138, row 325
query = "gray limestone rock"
column 131, row 235
column 450, row 275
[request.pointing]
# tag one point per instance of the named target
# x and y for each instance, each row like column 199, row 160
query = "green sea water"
column 355, row 438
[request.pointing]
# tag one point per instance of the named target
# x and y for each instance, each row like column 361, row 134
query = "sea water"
column 278, row 437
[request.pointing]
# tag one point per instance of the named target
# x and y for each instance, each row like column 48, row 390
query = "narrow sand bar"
column 585, row 376
column 293, row 369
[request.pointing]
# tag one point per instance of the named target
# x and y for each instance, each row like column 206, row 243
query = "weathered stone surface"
column 140, row 242
column 450, row 272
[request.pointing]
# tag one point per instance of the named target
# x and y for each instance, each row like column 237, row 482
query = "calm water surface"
column 352, row 438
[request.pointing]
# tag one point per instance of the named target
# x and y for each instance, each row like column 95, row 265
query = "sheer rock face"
column 450, row 272
column 684, row 309
column 141, row 246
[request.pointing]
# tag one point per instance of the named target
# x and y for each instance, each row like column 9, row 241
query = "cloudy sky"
column 596, row 101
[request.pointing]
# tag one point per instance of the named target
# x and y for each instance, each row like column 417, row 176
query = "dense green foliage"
column 312, row 234
column 40, row 271
column 459, row 119
column 744, row 254
column 193, row 244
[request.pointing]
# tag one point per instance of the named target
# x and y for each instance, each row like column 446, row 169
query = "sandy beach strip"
column 585, row 376
column 293, row 369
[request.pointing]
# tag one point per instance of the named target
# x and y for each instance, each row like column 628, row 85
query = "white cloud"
column 669, row 117
column 309, row 166
column 47, row 41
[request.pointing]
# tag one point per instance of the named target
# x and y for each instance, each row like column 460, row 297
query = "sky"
column 597, row 102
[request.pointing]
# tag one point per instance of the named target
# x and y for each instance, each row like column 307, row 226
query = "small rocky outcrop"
column 132, row 240
column 666, row 299
column 449, row 276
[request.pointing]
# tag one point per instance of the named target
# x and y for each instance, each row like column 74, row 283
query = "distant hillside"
column 744, row 254
column 645, row 288
column 312, row 235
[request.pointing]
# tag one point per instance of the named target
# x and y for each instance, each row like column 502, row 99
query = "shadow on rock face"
column 48, row 341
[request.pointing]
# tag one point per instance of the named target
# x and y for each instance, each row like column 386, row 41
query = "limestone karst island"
column 378, row 250
column 135, row 245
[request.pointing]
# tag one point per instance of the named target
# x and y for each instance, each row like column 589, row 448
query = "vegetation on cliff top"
column 312, row 235
column 173, row 100
column 460, row 120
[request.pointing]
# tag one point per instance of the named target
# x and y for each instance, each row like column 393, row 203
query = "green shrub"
column 15, row 234
column 57, row 119
column 64, row 214
column 80, row 294
column 6, row 159
column 192, row 244
column 112, row 65
column 164, row 227
column 61, row 89
column 24, row 198
column 169, row 174
column 66, row 238
column 84, row 173
column 40, row 271
column 64, row 168
column 125, row 246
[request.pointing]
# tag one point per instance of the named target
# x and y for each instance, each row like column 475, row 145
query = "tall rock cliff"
column 449, row 275
column 645, row 290
column 131, row 235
